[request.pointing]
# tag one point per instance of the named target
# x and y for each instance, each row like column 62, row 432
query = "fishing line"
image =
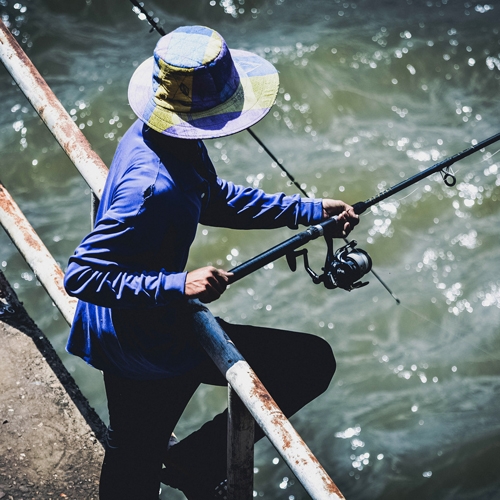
column 491, row 155
column 453, row 335
column 461, row 338
column 397, row 201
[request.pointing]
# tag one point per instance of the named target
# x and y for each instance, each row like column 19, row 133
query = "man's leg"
column 294, row 367
column 142, row 416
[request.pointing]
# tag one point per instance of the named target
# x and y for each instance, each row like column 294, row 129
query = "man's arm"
column 120, row 263
column 241, row 207
column 101, row 270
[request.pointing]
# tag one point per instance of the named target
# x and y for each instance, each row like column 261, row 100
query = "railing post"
column 94, row 207
column 240, row 449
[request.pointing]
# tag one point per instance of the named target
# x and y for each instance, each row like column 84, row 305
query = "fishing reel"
column 343, row 268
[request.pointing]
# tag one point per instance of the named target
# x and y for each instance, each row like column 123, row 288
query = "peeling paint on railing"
column 38, row 257
column 51, row 111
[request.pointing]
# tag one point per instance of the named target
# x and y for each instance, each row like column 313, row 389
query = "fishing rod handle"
column 280, row 250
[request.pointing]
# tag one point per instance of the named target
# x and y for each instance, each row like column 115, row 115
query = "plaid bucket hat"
column 194, row 87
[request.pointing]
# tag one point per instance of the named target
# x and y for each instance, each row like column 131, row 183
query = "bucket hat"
column 194, row 87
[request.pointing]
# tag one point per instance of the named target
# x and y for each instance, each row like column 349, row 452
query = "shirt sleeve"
column 240, row 207
column 110, row 266
column 98, row 272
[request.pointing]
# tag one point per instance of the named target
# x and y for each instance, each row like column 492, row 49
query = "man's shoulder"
column 132, row 150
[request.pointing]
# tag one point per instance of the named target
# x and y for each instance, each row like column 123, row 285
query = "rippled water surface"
column 371, row 93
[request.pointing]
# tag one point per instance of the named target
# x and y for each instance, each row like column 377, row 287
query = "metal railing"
column 248, row 400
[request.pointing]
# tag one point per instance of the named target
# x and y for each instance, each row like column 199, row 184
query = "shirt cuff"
column 311, row 211
column 173, row 286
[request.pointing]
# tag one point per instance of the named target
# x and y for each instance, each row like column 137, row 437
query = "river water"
column 371, row 93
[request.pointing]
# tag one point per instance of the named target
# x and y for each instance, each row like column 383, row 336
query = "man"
column 129, row 271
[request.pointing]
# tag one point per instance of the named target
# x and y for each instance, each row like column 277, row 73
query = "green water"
column 371, row 93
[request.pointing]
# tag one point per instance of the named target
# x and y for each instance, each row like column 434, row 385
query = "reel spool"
column 343, row 268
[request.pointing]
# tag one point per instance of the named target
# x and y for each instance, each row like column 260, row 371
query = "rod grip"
column 359, row 207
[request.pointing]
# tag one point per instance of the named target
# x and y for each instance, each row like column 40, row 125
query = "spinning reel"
column 343, row 267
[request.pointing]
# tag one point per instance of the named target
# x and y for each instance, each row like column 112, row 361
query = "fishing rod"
column 141, row 11
column 345, row 267
column 144, row 14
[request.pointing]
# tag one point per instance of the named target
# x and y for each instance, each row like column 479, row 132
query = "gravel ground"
column 50, row 438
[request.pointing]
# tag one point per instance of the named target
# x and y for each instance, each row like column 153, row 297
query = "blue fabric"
column 129, row 272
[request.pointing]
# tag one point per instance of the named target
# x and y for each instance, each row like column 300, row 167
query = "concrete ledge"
column 50, row 438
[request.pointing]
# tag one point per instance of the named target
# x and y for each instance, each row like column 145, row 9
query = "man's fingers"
column 346, row 222
column 207, row 283
column 218, row 281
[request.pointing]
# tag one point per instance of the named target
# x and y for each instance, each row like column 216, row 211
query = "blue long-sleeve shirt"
column 129, row 271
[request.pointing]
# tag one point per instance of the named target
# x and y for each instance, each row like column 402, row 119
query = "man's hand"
column 206, row 283
column 347, row 219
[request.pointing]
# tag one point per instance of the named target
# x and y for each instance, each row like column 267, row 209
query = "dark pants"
column 294, row 367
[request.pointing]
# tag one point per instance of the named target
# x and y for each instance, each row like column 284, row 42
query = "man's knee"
column 322, row 365
column 313, row 372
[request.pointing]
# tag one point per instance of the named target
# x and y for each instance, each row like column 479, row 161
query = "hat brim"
column 252, row 100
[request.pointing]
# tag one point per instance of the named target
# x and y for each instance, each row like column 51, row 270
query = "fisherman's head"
column 194, row 87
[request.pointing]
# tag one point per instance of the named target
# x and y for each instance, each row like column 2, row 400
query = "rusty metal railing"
column 244, row 385
column 35, row 253
column 52, row 112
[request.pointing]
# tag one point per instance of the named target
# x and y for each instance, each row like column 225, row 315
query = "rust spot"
column 32, row 242
column 330, row 486
column 287, row 443
column 313, row 458
column 11, row 209
column 74, row 142
column 260, row 392
column 278, row 418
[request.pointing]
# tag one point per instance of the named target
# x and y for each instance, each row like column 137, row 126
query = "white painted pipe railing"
column 36, row 254
column 52, row 112
column 241, row 378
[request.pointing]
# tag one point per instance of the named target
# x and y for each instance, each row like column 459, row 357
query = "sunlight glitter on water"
column 367, row 98
column 491, row 297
